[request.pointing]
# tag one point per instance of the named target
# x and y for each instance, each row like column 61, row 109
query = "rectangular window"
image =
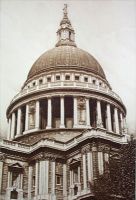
column 33, row 181
column 76, row 78
column 49, row 79
column 85, row 79
column 67, row 77
column 94, row 81
column 57, row 78
column 58, row 180
column 34, row 83
column 40, row 81
column 75, row 175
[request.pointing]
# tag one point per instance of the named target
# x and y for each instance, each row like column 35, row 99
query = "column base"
column 48, row 127
column 62, row 126
column 18, row 135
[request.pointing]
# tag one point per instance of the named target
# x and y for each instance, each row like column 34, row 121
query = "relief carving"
column 82, row 110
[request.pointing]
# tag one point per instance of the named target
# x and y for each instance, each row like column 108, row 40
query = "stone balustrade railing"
column 66, row 84
column 88, row 133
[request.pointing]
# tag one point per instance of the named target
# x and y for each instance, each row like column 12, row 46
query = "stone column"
column 37, row 115
column 90, row 166
column 116, row 120
column 99, row 114
column 29, row 182
column 100, row 163
column 13, row 126
column 9, row 129
column 75, row 112
column 49, row 114
column 62, row 113
column 9, row 179
column 43, row 178
column 71, row 182
column 64, row 180
column 1, row 173
column 21, row 181
column 79, row 174
column 121, row 122
column 19, row 121
column 87, row 113
column 53, row 177
column 84, row 173
column 109, row 118
column 36, row 178
column 27, row 118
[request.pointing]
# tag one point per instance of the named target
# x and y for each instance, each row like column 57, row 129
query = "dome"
column 68, row 57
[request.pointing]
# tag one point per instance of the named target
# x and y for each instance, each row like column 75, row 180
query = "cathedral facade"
column 63, row 126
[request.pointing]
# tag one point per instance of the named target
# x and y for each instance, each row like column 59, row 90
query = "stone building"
column 63, row 126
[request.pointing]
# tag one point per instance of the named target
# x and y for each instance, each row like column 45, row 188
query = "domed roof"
column 68, row 57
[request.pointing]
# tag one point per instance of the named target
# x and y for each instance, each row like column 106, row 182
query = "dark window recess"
column 14, row 194
column 58, row 180
column 33, row 181
column 48, row 79
column 77, row 78
column 75, row 190
column 40, row 81
column 67, row 77
column 57, row 78
column 33, row 83
column 85, row 79
column 94, row 81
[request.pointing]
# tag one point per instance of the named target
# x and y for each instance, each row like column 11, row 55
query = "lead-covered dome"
column 68, row 57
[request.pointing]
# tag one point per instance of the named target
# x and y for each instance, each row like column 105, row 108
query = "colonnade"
column 15, row 120
column 42, row 180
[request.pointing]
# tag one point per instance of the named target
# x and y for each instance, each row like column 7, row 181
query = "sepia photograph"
column 67, row 99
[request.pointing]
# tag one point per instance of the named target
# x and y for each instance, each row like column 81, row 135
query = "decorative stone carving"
column 2, row 156
column 86, row 149
column 82, row 110
column 101, row 147
column 94, row 146
column 47, row 156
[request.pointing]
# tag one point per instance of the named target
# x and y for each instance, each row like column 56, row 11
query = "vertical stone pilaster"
column 53, row 177
column 70, row 177
column 79, row 174
column 99, row 114
column 90, row 166
column 44, row 177
column 29, row 182
column 84, row 173
column 49, row 114
column 36, row 178
column 37, row 115
column 109, row 118
column 116, row 120
column 27, row 117
column 121, row 122
column 9, row 129
column 75, row 113
column 87, row 113
column 64, row 180
column 1, row 173
column 62, row 113
column 100, row 163
column 9, row 179
column 13, row 126
column 19, row 121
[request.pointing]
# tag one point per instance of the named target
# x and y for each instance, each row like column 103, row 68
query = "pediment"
column 16, row 165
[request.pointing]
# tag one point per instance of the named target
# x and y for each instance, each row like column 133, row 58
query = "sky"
column 104, row 28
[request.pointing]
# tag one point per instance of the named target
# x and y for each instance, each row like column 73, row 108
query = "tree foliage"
column 118, row 181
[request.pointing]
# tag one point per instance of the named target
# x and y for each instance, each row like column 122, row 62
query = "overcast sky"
column 104, row 28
